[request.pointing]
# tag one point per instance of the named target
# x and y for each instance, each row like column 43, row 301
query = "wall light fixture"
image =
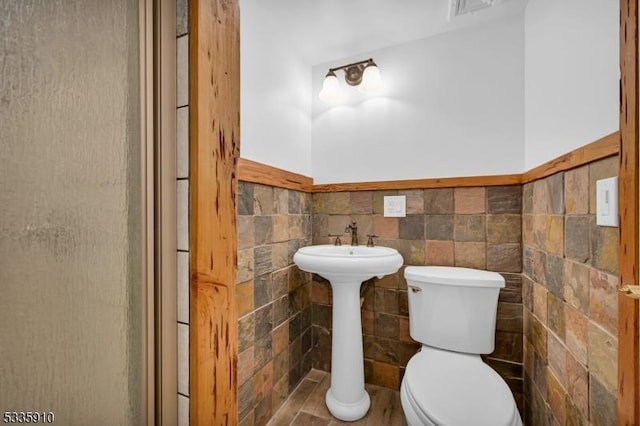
column 364, row 74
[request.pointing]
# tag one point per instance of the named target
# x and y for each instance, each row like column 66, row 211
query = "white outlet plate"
column 607, row 202
column 395, row 206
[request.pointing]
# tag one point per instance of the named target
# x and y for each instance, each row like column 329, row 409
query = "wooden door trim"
column 628, row 383
column 214, row 124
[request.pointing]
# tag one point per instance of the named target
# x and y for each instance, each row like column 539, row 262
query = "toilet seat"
column 456, row 389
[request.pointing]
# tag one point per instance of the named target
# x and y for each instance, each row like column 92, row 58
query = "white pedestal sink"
column 346, row 267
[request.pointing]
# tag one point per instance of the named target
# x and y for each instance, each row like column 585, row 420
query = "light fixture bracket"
column 363, row 74
column 353, row 72
column 353, row 75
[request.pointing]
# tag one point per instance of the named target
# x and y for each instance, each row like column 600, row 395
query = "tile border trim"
column 604, row 147
column 255, row 172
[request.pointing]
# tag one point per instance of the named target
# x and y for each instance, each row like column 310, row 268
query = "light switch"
column 395, row 206
column 607, row 202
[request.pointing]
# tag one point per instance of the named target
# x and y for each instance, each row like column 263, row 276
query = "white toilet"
column 452, row 312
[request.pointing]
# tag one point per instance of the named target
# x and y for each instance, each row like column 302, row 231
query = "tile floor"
column 305, row 406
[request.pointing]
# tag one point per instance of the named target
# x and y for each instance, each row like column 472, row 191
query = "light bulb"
column 371, row 81
column 330, row 88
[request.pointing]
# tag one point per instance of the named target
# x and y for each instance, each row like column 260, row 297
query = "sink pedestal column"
column 347, row 399
column 346, row 267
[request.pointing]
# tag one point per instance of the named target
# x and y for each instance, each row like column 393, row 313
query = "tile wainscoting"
column 570, row 300
column 556, row 331
column 273, row 298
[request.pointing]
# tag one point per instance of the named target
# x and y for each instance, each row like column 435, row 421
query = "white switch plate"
column 607, row 202
column 395, row 206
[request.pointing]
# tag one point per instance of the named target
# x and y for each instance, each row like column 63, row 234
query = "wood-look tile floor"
column 305, row 406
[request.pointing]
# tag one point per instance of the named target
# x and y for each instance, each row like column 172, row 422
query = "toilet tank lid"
column 449, row 275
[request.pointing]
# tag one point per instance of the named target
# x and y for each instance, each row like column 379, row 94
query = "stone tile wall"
column 273, row 298
column 570, row 300
column 473, row 227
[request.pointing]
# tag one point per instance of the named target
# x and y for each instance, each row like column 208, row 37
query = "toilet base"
column 347, row 412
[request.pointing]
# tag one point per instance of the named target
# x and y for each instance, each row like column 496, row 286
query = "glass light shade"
column 371, row 81
column 330, row 88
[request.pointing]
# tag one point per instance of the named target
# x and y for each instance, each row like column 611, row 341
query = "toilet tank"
column 453, row 308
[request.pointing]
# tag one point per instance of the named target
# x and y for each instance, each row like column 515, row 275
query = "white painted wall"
column 571, row 75
column 497, row 98
column 453, row 106
column 275, row 96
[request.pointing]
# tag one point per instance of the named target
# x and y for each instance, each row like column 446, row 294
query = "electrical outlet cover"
column 395, row 206
column 607, row 202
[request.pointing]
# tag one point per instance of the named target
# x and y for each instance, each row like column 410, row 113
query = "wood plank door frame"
column 628, row 353
column 214, row 125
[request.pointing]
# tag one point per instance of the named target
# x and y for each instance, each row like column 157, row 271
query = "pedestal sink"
column 346, row 267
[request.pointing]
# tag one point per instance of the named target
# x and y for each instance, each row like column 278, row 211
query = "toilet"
column 452, row 312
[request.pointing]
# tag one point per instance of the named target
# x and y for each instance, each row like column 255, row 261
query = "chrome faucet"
column 353, row 229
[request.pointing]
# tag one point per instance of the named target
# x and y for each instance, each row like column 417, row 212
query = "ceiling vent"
column 463, row 7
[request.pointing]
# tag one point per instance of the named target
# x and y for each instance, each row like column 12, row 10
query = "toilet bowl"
column 448, row 388
column 452, row 312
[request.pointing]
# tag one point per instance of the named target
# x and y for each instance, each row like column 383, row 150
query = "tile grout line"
column 306, row 399
column 291, row 395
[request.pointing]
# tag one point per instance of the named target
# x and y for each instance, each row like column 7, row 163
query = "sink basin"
column 346, row 267
column 352, row 262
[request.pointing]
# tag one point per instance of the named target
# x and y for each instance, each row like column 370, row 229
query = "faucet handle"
column 337, row 241
column 370, row 240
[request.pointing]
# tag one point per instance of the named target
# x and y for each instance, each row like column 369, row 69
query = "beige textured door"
column 71, row 230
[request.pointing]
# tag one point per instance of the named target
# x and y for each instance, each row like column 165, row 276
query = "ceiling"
column 327, row 30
